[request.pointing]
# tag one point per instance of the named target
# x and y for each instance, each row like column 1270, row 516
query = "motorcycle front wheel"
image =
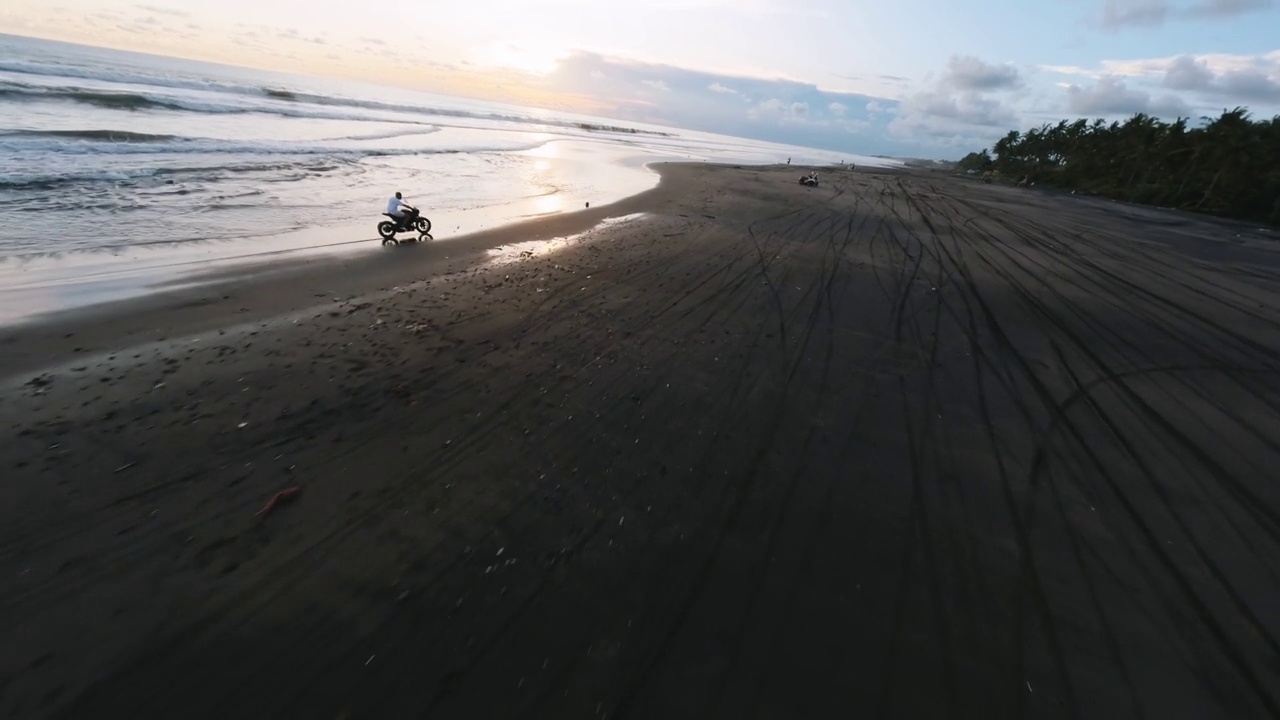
column 387, row 229
column 423, row 226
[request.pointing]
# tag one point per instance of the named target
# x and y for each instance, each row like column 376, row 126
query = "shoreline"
column 41, row 282
column 265, row 289
column 197, row 302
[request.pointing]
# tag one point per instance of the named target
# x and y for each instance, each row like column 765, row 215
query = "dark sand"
column 903, row 445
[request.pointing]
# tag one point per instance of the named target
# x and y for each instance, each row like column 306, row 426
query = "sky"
column 919, row 78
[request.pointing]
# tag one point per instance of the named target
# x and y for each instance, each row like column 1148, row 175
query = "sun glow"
column 535, row 60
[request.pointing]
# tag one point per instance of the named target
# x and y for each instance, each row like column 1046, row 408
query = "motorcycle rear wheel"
column 387, row 229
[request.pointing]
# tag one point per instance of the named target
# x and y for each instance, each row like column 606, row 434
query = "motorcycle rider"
column 401, row 211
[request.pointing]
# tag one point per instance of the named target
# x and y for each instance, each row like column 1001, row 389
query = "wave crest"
column 288, row 103
column 110, row 136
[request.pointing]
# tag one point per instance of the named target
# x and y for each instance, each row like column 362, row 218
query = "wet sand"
column 904, row 445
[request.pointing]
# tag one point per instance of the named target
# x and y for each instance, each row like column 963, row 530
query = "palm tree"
column 1226, row 166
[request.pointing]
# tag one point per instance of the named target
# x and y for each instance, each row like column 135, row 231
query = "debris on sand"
column 276, row 500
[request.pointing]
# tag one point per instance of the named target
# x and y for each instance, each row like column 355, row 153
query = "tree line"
column 1227, row 166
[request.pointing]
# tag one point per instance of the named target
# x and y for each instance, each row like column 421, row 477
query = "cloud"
column 1228, row 8
column 1209, row 79
column 1119, row 14
column 656, row 85
column 965, row 72
column 769, row 109
column 159, row 10
column 926, row 131
column 139, row 27
column 1070, row 70
column 968, row 108
column 1111, row 97
column 1249, row 85
column 957, row 110
column 1233, row 79
column 780, row 109
column 1187, row 73
column 890, row 84
column 1157, row 67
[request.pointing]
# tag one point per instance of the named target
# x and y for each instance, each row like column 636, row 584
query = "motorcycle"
column 411, row 222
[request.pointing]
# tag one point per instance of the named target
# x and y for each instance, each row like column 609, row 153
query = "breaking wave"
column 121, row 136
column 220, row 99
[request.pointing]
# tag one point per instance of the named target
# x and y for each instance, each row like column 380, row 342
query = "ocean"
column 112, row 162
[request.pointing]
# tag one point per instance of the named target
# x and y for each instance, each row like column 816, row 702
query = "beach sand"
column 902, row 445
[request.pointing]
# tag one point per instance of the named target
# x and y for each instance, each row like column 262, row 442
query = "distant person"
column 400, row 210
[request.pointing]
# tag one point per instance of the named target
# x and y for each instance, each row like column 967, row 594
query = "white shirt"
column 394, row 205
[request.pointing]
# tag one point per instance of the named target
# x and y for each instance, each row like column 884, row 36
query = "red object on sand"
column 280, row 497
